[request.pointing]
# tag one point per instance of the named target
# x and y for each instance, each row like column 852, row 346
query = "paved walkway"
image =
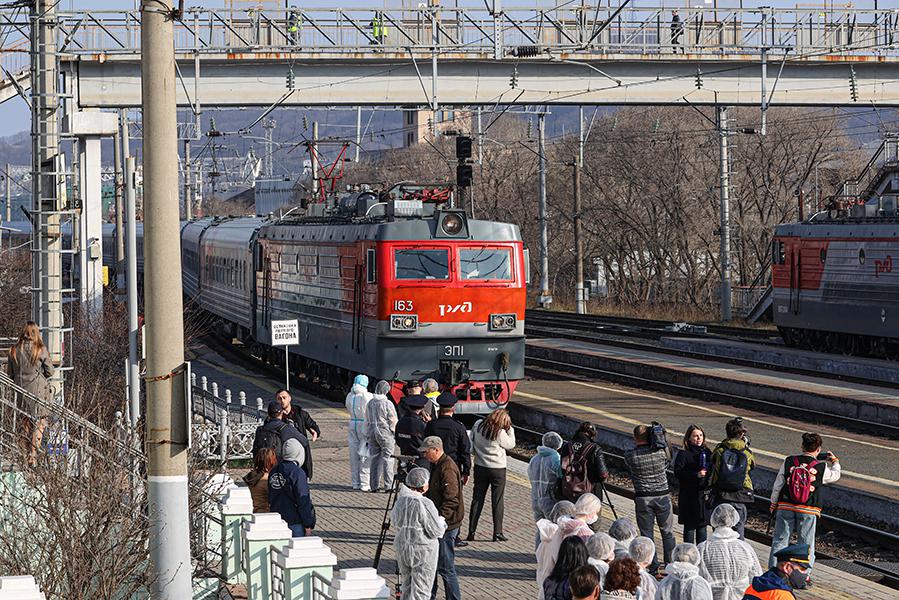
column 349, row 521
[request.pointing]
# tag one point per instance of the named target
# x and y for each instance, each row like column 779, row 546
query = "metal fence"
column 481, row 31
column 226, row 428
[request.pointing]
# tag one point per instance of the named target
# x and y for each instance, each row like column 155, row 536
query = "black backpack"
column 269, row 438
column 732, row 470
column 575, row 481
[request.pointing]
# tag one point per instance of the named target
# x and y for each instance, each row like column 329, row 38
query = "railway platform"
column 349, row 521
column 869, row 403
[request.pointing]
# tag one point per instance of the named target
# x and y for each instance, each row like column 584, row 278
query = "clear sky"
column 14, row 115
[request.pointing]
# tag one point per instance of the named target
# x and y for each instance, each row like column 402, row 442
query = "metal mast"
column 48, row 184
column 724, row 226
column 545, row 297
column 269, row 162
column 166, row 423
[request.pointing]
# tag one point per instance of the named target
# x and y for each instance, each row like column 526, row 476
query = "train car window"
column 371, row 266
column 823, row 255
column 485, row 264
column 861, row 256
column 421, row 264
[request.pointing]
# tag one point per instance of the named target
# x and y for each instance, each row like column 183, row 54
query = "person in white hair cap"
column 418, row 528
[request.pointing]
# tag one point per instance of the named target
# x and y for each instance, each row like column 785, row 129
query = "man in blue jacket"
column 288, row 491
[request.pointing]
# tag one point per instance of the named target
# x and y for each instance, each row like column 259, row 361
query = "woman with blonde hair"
column 490, row 439
column 29, row 366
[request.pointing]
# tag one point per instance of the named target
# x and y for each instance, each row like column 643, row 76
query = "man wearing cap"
column 445, row 491
column 778, row 582
column 276, row 431
column 410, row 429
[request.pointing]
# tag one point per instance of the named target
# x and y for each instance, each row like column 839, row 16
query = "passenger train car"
column 835, row 284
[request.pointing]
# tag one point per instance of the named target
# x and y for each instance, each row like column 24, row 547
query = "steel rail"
column 812, row 416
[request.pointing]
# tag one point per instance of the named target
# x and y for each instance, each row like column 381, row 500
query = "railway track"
column 648, row 328
column 858, row 531
column 540, row 323
column 557, row 368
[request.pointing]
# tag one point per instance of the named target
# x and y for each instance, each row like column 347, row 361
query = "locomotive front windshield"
column 485, row 263
column 421, row 264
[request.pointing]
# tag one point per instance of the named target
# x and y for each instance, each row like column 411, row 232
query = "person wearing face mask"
column 691, row 467
column 778, row 582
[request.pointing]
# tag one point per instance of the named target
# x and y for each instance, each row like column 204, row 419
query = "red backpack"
column 801, row 481
column 574, row 482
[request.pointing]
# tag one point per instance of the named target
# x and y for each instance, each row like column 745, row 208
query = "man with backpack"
column 732, row 464
column 582, row 465
column 648, row 463
column 275, row 431
column 796, row 498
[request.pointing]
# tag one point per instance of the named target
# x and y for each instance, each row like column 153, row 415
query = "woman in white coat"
column 356, row 402
column 728, row 563
column 418, row 528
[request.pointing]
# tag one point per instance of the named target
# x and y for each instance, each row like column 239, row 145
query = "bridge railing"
column 477, row 31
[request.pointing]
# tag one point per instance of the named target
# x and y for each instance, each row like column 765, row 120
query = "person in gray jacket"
column 648, row 468
column 29, row 367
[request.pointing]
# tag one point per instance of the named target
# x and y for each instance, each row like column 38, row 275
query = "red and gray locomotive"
column 397, row 285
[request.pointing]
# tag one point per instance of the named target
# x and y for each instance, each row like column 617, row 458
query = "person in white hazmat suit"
column 728, row 563
column 623, row 531
column 643, row 550
column 544, row 471
column 418, row 527
column 683, row 581
column 356, row 402
column 380, row 423
column 601, row 548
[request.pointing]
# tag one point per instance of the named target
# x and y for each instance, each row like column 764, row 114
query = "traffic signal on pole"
column 464, row 175
column 463, row 147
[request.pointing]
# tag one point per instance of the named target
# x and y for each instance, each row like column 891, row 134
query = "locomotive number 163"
column 402, row 305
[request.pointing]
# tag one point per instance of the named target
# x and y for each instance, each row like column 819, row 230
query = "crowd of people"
column 576, row 557
column 715, row 488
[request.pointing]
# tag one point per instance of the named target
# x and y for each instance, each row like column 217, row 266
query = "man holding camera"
column 796, row 495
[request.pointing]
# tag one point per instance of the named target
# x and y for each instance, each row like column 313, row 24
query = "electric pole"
column 269, row 125
column 724, row 225
column 188, row 172
column 358, row 133
column 48, row 178
column 119, row 215
column 121, row 267
column 578, row 242
column 313, row 155
column 545, row 297
column 166, row 417
column 8, row 194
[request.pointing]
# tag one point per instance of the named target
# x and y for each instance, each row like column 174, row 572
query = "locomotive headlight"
column 451, row 224
column 504, row 322
column 403, row 322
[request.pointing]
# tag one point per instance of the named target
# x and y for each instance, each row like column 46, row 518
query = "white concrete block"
column 20, row 587
column 92, row 123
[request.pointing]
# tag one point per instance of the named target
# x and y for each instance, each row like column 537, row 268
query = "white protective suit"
column 551, row 536
column 601, row 548
column 418, row 527
column 543, row 473
column 380, row 423
column 683, row 582
column 728, row 563
column 356, row 402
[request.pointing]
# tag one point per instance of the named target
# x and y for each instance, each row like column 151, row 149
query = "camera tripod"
column 403, row 464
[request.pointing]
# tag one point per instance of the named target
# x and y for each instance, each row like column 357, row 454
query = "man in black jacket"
column 301, row 419
column 410, row 429
column 275, row 431
column 456, row 443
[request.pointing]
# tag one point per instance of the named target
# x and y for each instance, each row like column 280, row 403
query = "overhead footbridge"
column 495, row 54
